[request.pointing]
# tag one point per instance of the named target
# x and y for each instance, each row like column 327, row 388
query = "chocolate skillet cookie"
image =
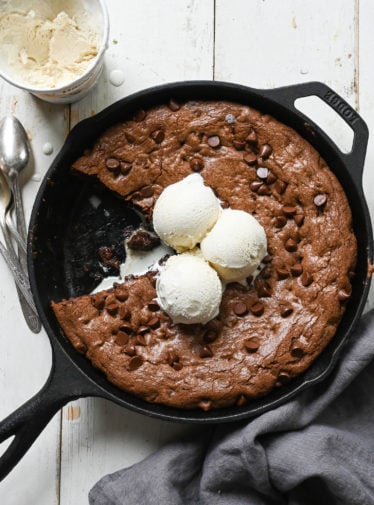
column 266, row 332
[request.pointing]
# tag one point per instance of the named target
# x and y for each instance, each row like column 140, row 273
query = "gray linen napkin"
column 316, row 449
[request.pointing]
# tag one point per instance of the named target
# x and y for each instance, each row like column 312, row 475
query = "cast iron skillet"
column 69, row 223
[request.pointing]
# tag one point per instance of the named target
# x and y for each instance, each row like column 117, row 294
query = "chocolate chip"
column 320, row 200
column 343, row 295
column 140, row 115
column 215, row 325
column 125, row 167
column 214, row 141
column 112, row 308
column 81, row 347
column 112, row 164
column 252, row 136
column 249, row 279
column 99, row 302
column 242, row 400
column 240, row 309
column 130, row 350
column 265, row 151
column 280, row 186
column 131, row 139
column 252, row 344
column 257, row 308
column 126, row 328
column 280, row 221
column 205, row 351
column 154, row 323
column 296, row 269
column 250, row 158
column 177, row 365
column 172, row 357
column 238, row 144
column 146, row 192
column 210, row 336
column 289, row 210
column 135, row 363
column 271, row 178
column 140, row 340
column 299, row 219
column 122, row 295
column 297, row 352
column 263, row 190
column 283, row 377
column 158, row 136
column 196, row 164
column 143, row 329
column 290, row 245
column 262, row 172
column 306, row 279
column 153, row 306
column 266, row 273
column 267, row 259
column 122, row 338
column 263, row 289
column 282, row 273
column 285, row 309
column 173, row 105
column 255, row 186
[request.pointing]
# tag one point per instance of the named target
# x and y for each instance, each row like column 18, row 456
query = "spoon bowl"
column 14, row 146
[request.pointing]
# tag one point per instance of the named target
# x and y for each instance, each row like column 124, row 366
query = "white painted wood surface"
column 261, row 43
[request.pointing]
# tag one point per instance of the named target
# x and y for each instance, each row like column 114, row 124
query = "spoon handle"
column 18, row 205
column 29, row 313
column 14, row 233
column 19, row 277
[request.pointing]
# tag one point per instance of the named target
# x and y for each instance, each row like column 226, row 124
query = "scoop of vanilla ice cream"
column 189, row 289
column 235, row 246
column 185, row 212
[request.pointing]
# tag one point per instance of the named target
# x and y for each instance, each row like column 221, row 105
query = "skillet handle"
column 354, row 160
column 65, row 383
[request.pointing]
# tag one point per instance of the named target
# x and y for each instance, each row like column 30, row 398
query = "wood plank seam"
column 357, row 55
column 214, row 40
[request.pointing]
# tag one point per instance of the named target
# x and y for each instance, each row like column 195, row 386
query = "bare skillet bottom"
column 61, row 214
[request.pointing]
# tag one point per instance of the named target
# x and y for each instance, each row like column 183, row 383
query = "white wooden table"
column 260, row 43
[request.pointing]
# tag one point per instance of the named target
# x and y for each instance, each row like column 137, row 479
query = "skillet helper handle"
column 355, row 159
column 64, row 384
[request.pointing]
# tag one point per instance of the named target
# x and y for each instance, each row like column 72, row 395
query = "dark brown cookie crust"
column 265, row 334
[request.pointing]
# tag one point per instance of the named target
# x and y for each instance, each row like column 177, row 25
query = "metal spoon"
column 14, row 157
column 8, row 252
